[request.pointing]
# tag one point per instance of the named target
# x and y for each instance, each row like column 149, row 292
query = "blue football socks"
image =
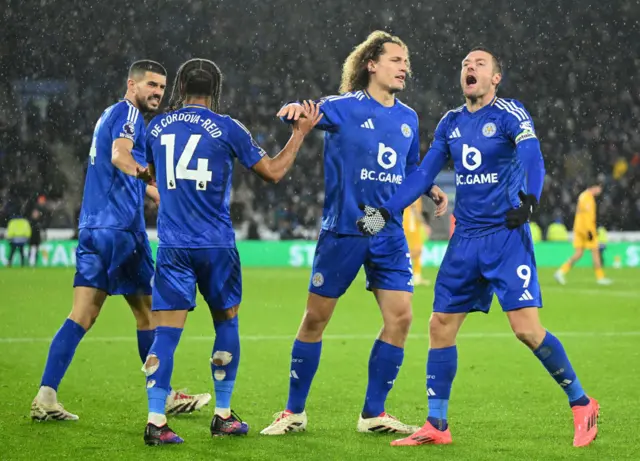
column 145, row 340
column 159, row 377
column 384, row 364
column 442, row 365
column 554, row 358
column 305, row 358
column 225, row 360
column 63, row 347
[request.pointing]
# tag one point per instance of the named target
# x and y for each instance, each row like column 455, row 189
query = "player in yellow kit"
column 417, row 231
column 585, row 236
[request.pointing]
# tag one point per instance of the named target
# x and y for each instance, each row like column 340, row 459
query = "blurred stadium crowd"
column 59, row 70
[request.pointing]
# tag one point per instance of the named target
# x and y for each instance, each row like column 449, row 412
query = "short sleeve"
column 245, row 148
column 124, row 121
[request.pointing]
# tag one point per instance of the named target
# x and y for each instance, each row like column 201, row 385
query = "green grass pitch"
column 504, row 405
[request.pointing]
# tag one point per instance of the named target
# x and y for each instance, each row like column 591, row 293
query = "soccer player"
column 113, row 256
column 416, row 230
column 191, row 152
column 18, row 233
column 499, row 176
column 585, row 236
column 371, row 144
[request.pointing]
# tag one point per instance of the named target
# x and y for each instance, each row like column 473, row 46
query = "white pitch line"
column 611, row 291
column 106, row 339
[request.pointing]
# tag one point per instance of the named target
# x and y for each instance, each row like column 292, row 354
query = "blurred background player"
column 371, row 143
column 36, row 221
column 417, row 231
column 497, row 157
column 18, row 234
column 585, row 236
column 113, row 256
column 191, row 152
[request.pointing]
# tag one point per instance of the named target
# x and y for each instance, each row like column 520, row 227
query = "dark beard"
column 144, row 107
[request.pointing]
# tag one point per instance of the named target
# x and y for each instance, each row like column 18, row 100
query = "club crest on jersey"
column 489, row 129
column 317, row 280
column 406, row 130
column 129, row 129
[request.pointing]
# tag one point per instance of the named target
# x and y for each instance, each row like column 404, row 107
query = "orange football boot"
column 426, row 435
column 585, row 421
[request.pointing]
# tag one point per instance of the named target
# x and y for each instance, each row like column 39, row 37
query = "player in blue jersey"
column 371, row 144
column 191, row 152
column 113, row 256
column 499, row 176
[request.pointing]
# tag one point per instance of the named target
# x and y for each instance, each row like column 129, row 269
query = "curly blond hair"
column 355, row 74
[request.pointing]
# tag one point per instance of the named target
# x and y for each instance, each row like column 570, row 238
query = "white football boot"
column 179, row 402
column 41, row 411
column 386, row 424
column 285, row 422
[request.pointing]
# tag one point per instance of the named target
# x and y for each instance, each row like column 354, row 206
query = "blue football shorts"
column 474, row 269
column 115, row 261
column 216, row 272
column 339, row 257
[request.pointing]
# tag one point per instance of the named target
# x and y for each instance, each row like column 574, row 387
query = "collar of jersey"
column 377, row 103
column 199, row 106
column 480, row 111
column 127, row 101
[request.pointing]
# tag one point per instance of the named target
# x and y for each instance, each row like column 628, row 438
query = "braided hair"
column 196, row 77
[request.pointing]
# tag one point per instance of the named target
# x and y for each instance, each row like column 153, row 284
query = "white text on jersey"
column 381, row 176
column 187, row 117
column 468, row 179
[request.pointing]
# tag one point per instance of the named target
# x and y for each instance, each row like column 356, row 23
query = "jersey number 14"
column 201, row 175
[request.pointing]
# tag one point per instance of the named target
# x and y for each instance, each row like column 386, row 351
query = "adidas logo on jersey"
column 455, row 133
column 526, row 296
column 368, row 124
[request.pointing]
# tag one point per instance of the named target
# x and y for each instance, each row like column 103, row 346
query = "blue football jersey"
column 489, row 174
column 111, row 198
column 193, row 151
column 368, row 151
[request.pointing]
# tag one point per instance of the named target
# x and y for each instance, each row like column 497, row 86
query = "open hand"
column 311, row 117
column 292, row 111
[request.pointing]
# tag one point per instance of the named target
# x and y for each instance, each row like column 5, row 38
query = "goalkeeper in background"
column 417, row 231
column 585, row 236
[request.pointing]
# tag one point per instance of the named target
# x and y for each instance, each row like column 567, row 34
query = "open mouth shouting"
column 471, row 81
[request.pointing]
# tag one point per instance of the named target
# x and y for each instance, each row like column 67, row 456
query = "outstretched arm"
column 417, row 183
column 273, row 169
column 293, row 111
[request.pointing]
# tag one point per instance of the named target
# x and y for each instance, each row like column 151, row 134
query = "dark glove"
column 589, row 236
column 518, row 216
column 373, row 221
